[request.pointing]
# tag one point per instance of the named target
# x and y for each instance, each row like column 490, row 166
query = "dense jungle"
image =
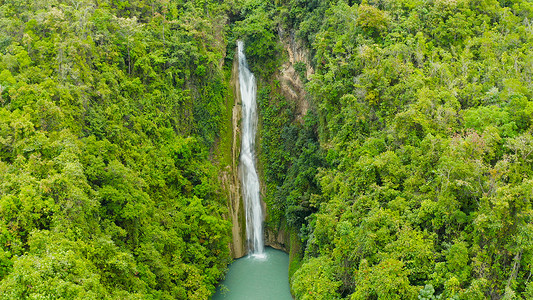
column 395, row 146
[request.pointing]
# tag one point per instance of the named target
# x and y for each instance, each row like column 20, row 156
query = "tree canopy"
column 108, row 110
column 409, row 177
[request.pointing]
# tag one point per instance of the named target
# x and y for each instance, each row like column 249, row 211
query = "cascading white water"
column 250, row 180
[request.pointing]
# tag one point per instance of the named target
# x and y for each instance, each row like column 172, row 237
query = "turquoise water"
column 257, row 278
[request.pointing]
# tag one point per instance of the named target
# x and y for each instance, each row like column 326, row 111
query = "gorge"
column 263, row 274
column 393, row 151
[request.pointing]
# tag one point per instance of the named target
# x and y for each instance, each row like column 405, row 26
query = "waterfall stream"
column 264, row 274
column 248, row 172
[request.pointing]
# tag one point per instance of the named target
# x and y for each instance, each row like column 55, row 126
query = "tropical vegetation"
column 409, row 177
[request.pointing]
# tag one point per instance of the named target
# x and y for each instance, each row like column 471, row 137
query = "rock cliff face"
column 278, row 238
column 231, row 173
column 293, row 89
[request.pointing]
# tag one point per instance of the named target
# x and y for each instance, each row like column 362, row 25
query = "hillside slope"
column 108, row 111
column 412, row 173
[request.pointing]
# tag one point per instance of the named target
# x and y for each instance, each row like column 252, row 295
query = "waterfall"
column 249, row 178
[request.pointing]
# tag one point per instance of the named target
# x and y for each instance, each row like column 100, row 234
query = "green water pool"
column 257, row 278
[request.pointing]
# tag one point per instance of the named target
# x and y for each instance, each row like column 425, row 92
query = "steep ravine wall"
column 292, row 87
column 293, row 90
column 229, row 174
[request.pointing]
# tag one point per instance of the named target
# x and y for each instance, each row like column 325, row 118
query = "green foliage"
column 258, row 31
column 321, row 285
column 388, row 279
column 371, row 19
column 108, row 111
column 424, row 169
column 427, row 293
column 57, row 268
column 411, row 174
column 291, row 157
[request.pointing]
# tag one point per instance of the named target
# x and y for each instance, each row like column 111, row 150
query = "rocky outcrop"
column 291, row 79
column 278, row 238
column 230, row 176
column 292, row 87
